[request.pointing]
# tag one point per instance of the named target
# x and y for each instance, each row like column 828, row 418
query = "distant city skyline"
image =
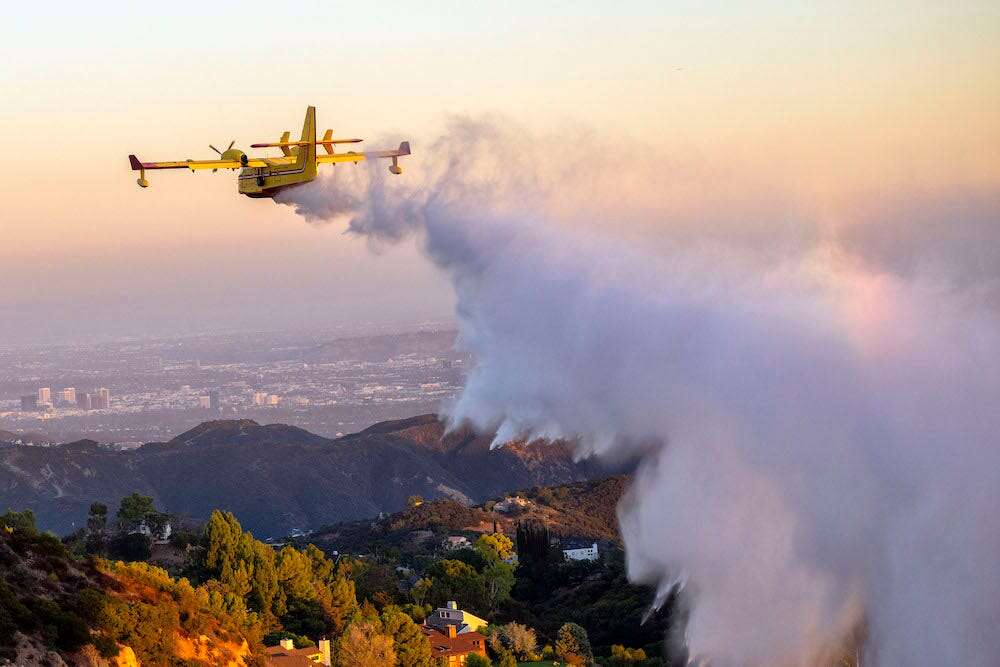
column 135, row 391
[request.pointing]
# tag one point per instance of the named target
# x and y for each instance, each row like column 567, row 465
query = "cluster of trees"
column 387, row 638
column 478, row 579
column 513, row 642
column 120, row 536
column 301, row 592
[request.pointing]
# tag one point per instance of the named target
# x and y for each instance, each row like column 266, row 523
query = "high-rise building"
column 101, row 400
column 213, row 398
column 29, row 403
column 67, row 395
column 45, row 395
column 259, row 397
column 84, row 401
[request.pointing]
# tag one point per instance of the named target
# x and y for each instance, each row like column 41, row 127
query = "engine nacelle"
column 234, row 154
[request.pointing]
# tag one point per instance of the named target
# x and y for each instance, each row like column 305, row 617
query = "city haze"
column 130, row 392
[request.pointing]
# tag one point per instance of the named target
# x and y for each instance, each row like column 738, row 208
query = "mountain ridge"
column 276, row 477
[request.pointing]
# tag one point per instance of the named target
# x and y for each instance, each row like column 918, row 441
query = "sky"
column 846, row 109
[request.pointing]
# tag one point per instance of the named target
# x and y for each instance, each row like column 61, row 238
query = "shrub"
column 476, row 660
column 131, row 547
column 106, row 647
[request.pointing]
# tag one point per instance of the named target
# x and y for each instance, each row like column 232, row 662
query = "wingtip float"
column 267, row 176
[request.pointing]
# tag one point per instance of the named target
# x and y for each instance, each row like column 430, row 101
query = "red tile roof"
column 290, row 657
column 443, row 646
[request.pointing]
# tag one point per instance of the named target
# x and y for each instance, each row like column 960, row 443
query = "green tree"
column 411, row 646
column 625, row 657
column 342, row 603
column 21, row 521
column 131, row 547
column 421, row 588
column 455, row 580
column 295, row 573
column 133, row 509
column 304, row 617
column 573, row 645
column 228, row 553
column 532, row 541
column 476, row 660
column 506, row 659
column 363, row 645
column 142, row 626
column 376, row 581
column 498, row 580
column 414, row 501
column 520, row 640
column 494, row 546
column 266, row 596
column 323, row 569
column 97, row 519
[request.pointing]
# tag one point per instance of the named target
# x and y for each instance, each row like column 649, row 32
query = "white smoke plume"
column 818, row 423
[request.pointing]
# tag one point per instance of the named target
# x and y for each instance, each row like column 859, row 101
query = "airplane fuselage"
column 263, row 182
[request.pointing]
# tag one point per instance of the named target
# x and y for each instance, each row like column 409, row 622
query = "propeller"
column 221, row 152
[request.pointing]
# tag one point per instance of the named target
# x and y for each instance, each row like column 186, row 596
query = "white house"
column 581, row 552
column 453, row 542
column 162, row 535
column 509, row 503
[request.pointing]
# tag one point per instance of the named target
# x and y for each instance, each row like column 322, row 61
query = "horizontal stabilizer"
column 279, row 144
column 404, row 149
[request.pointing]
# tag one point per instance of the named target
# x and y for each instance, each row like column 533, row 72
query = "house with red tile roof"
column 286, row 655
column 451, row 648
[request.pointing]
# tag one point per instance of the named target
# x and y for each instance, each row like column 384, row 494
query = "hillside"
column 277, row 478
column 581, row 510
column 57, row 610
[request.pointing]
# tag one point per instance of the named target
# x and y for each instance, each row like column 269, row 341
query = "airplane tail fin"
column 306, row 154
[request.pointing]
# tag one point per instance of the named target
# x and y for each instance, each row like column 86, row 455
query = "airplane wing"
column 195, row 164
column 340, row 157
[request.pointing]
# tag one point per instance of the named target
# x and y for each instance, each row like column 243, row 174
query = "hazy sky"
column 829, row 103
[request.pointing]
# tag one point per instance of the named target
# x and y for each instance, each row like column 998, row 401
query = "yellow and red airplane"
column 267, row 176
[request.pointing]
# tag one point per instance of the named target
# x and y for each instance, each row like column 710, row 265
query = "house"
column 578, row 551
column 453, row 542
column 511, row 504
column 286, row 655
column 451, row 648
column 158, row 532
column 450, row 615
